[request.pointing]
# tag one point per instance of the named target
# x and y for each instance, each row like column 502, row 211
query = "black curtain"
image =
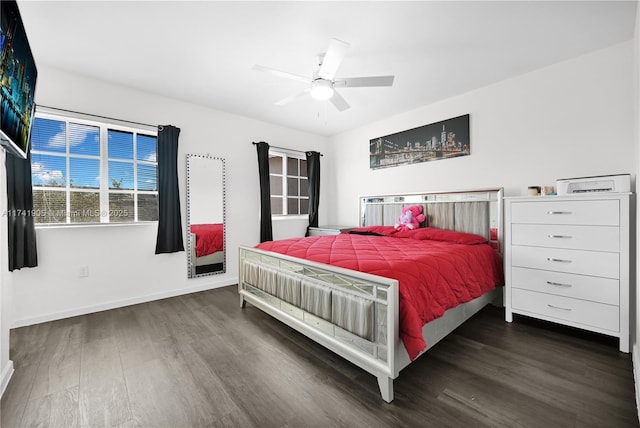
column 313, row 174
column 20, row 221
column 169, row 221
column 266, row 232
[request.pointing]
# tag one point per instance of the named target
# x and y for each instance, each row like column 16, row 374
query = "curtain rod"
column 97, row 115
column 284, row 148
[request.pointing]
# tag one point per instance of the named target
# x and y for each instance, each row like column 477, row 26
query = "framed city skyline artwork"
column 441, row 140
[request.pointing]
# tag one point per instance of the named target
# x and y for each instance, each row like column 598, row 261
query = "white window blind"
column 289, row 183
column 91, row 172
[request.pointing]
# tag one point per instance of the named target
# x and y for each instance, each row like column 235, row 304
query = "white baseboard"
column 636, row 373
column 7, row 372
column 121, row 303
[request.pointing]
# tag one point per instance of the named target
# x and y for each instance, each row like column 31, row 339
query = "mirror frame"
column 224, row 216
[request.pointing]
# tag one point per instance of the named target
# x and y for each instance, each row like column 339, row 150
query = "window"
column 92, row 172
column 289, row 183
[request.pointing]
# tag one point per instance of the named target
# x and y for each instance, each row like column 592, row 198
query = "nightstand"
column 567, row 260
column 328, row 230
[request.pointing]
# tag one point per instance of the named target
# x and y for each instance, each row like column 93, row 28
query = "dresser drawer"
column 603, row 213
column 600, row 238
column 561, row 308
column 592, row 288
column 570, row 261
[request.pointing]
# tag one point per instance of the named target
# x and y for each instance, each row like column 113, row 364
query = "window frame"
column 285, row 154
column 104, row 189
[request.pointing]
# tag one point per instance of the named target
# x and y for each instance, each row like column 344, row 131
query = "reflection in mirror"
column 205, row 215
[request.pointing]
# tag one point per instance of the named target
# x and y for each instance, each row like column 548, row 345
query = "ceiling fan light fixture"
column 321, row 84
column 321, row 89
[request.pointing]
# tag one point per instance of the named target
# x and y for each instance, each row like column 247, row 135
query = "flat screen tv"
column 18, row 76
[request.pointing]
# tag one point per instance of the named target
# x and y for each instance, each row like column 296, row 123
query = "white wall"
column 571, row 119
column 122, row 266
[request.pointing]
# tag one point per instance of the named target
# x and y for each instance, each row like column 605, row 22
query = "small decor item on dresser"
column 548, row 191
column 533, row 190
column 410, row 218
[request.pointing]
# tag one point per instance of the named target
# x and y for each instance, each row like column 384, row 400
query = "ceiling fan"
column 323, row 82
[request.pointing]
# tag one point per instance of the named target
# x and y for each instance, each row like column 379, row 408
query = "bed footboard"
column 353, row 314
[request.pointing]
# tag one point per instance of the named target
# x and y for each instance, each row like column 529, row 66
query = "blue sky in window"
column 47, row 170
column 84, row 140
column 120, row 175
column 50, row 169
column 146, row 148
column 120, row 144
column 147, row 177
column 84, row 172
column 48, row 135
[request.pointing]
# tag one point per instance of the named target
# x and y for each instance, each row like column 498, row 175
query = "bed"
column 366, row 309
column 208, row 251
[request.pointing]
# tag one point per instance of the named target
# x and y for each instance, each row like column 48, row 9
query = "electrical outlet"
column 84, row 271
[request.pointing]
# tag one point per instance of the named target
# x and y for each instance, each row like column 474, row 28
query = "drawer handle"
column 559, row 284
column 558, row 260
column 560, row 236
column 558, row 307
column 558, row 212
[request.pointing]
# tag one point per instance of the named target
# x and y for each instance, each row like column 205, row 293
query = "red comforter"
column 436, row 269
column 209, row 238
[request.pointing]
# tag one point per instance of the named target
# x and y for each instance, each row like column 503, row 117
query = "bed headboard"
column 472, row 211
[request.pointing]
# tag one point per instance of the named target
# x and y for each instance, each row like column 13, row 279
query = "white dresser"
column 567, row 261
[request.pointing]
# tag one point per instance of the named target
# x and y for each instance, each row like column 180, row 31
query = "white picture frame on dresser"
column 567, row 260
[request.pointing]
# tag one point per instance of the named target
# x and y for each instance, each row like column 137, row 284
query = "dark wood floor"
column 198, row 360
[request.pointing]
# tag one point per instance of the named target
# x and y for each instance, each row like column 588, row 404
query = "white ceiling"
column 202, row 52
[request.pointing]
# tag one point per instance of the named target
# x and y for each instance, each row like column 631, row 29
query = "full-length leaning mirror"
column 205, row 215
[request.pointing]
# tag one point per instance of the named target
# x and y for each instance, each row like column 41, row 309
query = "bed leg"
column 386, row 388
column 242, row 302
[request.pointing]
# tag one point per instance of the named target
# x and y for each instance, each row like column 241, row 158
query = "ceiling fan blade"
column 333, row 58
column 359, row 82
column 339, row 102
column 290, row 98
column 279, row 73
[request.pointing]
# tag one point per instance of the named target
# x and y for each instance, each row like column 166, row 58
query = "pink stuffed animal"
column 410, row 218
